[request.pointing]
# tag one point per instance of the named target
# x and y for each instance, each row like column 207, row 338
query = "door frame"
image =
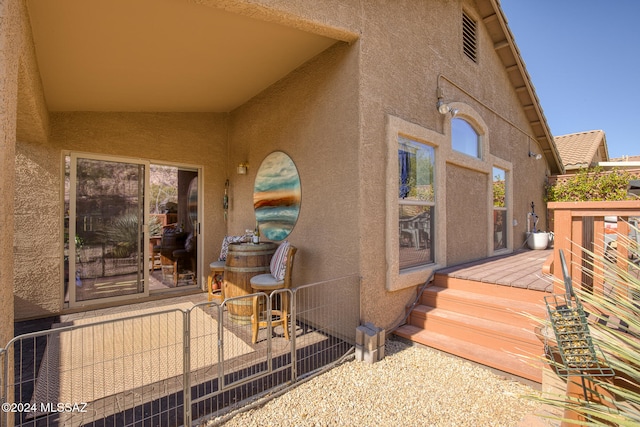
column 70, row 282
column 74, row 155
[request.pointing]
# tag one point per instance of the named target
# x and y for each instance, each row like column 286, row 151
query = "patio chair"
column 216, row 275
column 165, row 248
column 280, row 278
column 185, row 256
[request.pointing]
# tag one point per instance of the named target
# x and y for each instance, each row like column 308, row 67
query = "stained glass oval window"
column 276, row 196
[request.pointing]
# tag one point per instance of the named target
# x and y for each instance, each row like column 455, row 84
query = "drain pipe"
column 409, row 308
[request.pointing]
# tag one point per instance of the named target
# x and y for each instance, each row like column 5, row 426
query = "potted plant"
column 536, row 239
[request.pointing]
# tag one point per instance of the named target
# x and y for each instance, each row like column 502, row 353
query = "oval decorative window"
column 276, row 196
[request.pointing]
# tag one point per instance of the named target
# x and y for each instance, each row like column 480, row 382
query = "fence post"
column 292, row 334
column 561, row 241
column 220, row 312
column 4, row 372
column 186, row 367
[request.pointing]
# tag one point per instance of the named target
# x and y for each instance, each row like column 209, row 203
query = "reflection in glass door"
column 106, row 240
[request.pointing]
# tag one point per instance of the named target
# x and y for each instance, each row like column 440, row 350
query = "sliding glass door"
column 107, row 237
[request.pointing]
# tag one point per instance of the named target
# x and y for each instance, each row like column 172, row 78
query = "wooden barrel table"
column 244, row 260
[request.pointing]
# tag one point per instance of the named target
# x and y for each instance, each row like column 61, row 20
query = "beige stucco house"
column 355, row 92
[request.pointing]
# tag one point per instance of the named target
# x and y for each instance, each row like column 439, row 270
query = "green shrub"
column 591, row 185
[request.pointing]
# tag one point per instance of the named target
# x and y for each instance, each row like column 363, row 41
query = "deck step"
column 514, row 364
column 491, row 307
column 490, row 289
column 476, row 330
column 483, row 322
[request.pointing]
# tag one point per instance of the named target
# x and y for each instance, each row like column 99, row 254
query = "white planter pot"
column 538, row 241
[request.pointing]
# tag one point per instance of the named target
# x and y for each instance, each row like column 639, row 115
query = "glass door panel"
column 173, row 227
column 108, row 258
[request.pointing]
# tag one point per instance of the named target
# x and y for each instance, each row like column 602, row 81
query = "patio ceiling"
column 159, row 55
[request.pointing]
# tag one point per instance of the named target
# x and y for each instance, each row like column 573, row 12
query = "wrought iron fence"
column 168, row 367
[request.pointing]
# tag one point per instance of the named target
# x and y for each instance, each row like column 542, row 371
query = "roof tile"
column 578, row 149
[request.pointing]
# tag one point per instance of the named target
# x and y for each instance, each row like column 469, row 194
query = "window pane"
column 464, row 138
column 499, row 229
column 108, row 245
column 416, row 170
column 499, row 209
column 416, row 234
column 499, row 188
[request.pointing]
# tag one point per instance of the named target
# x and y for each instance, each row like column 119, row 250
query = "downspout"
column 409, row 308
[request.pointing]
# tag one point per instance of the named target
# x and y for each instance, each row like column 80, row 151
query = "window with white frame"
column 416, row 170
column 464, row 138
column 499, row 209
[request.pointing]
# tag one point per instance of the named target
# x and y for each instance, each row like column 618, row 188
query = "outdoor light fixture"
column 536, row 156
column 444, row 108
column 242, row 168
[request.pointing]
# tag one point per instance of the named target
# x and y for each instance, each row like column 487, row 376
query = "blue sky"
column 583, row 57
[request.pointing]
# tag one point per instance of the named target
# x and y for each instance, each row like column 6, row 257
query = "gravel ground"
column 411, row 386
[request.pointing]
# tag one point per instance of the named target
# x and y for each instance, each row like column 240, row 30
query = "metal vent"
column 469, row 39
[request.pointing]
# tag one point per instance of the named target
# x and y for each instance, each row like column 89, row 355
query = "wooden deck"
column 484, row 310
column 520, row 269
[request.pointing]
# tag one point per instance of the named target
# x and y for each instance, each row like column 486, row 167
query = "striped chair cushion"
column 225, row 245
column 278, row 264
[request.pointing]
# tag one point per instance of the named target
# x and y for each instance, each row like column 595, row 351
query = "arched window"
column 464, row 138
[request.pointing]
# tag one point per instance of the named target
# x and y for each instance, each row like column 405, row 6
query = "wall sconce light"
column 534, row 155
column 242, row 168
column 444, row 108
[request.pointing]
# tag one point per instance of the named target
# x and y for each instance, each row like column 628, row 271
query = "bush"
column 591, row 185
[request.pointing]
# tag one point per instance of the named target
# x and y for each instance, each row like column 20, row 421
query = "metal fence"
column 174, row 366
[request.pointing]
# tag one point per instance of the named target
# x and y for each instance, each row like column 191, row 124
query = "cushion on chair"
column 278, row 264
column 218, row 265
column 225, row 245
column 264, row 280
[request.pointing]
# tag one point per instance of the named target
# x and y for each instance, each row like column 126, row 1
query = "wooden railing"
column 579, row 230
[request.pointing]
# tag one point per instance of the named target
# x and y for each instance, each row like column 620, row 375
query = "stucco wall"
column 400, row 50
column 10, row 43
column 189, row 139
column 312, row 115
column 404, row 48
column 467, row 226
column 331, row 116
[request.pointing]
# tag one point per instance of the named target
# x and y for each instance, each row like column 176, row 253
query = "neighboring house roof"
column 505, row 46
column 626, row 159
column 582, row 149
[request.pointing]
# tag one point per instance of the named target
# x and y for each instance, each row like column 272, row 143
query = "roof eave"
column 505, row 46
